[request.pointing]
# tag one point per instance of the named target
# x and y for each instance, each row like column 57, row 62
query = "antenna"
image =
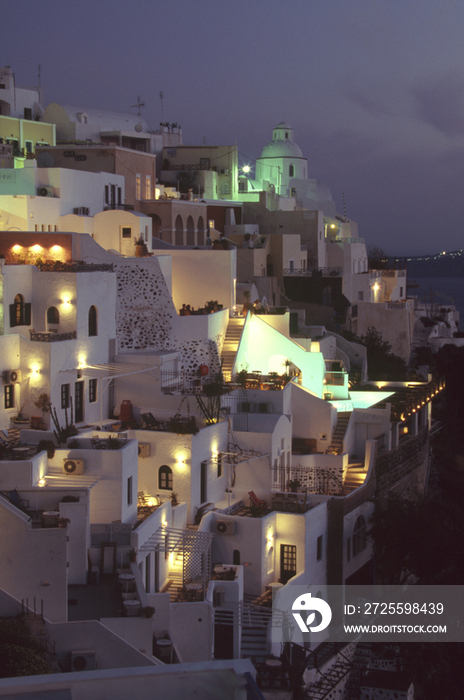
column 138, row 105
column 161, row 98
column 344, row 206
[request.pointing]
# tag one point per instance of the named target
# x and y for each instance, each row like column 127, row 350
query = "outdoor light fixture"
column 246, row 168
column 42, row 482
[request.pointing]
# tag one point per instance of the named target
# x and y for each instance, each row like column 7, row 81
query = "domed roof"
column 283, row 125
column 281, row 148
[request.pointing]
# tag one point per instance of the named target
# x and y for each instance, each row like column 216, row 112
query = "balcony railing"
column 58, row 266
column 305, row 272
column 52, row 337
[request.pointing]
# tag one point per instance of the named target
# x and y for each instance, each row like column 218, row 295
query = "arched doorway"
column 190, row 231
column 201, row 231
column 179, row 231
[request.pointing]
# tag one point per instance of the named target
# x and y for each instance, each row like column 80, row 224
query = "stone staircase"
column 255, row 622
column 175, row 576
column 326, row 685
column 231, row 342
column 354, row 477
column 336, row 446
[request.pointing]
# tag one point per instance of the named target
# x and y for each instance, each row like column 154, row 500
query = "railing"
column 346, row 240
column 305, row 272
column 53, row 337
column 120, row 533
column 396, row 305
column 335, row 378
column 58, row 266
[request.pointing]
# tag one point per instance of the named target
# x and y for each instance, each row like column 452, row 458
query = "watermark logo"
column 306, row 603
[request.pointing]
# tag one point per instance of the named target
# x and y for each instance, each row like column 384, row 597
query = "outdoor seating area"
column 290, row 501
column 271, row 672
column 112, row 442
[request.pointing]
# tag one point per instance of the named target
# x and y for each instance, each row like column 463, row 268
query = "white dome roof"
column 282, row 149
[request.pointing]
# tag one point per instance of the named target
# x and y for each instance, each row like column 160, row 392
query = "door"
column 287, row 562
column 203, row 482
column 79, row 402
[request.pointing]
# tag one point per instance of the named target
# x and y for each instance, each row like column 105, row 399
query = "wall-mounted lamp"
column 42, row 482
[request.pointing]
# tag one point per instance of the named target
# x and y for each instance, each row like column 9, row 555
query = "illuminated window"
column 92, row 390
column 165, row 477
column 359, row 536
column 138, row 191
column 93, row 321
column 148, row 187
column 9, row 396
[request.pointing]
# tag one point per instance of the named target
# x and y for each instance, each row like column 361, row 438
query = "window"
column 291, row 264
column 360, row 296
column 126, row 232
column 65, row 396
column 92, row 390
column 148, row 187
column 293, row 192
column 53, row 315
column 204, row 164
column 107, row 194
column 225, row 188
column 129, row 491
column 219, row 464
column 359, row 536
column 20, row 313
column 171, row 152
column 92, row 321
column 28, row 145
column 9, row 396
column 27, row 113
column 291, row 170
column 165, row 477
column 319, row 547
column 119, row 196
column 138, row 191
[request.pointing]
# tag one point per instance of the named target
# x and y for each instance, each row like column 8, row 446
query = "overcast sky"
column 374, row 89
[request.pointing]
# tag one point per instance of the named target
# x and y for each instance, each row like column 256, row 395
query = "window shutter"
column 27, row 314
column 12, row 316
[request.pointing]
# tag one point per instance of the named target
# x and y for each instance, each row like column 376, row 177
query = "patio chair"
column 150, row 421
column 255, row 501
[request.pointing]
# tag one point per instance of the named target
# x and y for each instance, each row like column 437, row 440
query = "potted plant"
column 174, row 501
column 47, row 446
column 63, row 522
column 141, row 250
column 43, row 403
column 247, row 306
column 148, row 611
column 294, row 485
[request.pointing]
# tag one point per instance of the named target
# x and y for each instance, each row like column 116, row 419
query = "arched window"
column 165, row 477
column 20, row 313
column 201, row 231
column 53, row 315
column 93, row 321
column 291, row 170
column 179, row 231
column 359, row 536
column 190, row 232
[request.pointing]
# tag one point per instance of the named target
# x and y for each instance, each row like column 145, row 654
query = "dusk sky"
column 374, row 90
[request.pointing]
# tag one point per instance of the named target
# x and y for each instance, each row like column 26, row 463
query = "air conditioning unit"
column 11, row 376
column 224, row 171
column 45, row 191
column 83, row 660
column 225, row 527
column 73, row 466
column 144, row 449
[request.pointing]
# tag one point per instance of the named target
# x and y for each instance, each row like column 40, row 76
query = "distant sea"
column 443, row 289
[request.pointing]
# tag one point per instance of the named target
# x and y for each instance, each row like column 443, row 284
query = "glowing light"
column 36, row 248
column 41, row 482
column 67, row 301
column 16, row 248
column 332, row 226
column 35, row 370
column 270, row 539
column 246, row 168
column 56, row 249
column 164, row 523
column 376, row 287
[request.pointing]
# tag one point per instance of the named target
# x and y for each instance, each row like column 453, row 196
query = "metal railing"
column 53, row 337
column 305, row 272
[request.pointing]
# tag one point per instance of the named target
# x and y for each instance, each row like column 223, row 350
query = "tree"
column 187, row 180
column 377, row 258
column 381, row 361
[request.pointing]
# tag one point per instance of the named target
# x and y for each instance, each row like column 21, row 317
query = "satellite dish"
column 138, row 128
column 46, row 160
